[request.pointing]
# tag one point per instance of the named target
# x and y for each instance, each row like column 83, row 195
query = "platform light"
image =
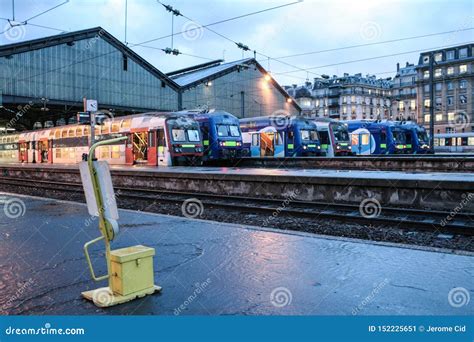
column 208, row 83
column 267, row 77
column 289, row 100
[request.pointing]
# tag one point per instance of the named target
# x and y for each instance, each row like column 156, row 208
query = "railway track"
column 462, row 223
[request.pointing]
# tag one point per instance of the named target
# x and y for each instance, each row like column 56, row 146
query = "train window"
column 304, row 134
column 178, row 134
column 71, row 132
column 115, row 128
column 104, row 152
column 222, row 131
column 161, row 137
column 51, row 133
column 383, row 136
column 58, row 153
column 97, row 130
column 115, row 151
column 57, row 134
column 255, row 139
column 105, row 128
column 64, row 133
column 436, row 141
column 278, row 139
column 79, row 132
column 86, row 131
column 126, row 123
column 151, row 140
column 459, row 142
column 470, row 141
column 290, row 135
column 464, row 141
column 193, row 135
column 234, row 130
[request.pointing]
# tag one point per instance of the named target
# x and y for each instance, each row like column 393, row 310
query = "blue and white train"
column 280, row 136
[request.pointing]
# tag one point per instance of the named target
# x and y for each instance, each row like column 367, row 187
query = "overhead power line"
column 376, row 43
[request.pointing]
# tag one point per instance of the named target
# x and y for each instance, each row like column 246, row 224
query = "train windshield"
column 398, row 136
column 193, row 135
column 422, row 136
column 340, row 133
column 228, row 131
column 309, row 135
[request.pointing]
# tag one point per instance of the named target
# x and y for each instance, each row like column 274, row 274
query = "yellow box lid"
column 131, row 253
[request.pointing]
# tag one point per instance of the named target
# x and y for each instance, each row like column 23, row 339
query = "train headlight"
column 319, row 147
column 239, row 143
column 305, row 147
column 338, row 147
column 198, row 149
column 177, row 149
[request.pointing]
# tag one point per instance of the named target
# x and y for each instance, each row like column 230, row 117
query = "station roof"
column 70, row 37
column 193, row 76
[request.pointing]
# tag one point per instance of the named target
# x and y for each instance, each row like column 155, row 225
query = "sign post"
column 129, row 270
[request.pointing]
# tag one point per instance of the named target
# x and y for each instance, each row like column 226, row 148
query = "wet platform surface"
column 209, row 268
column 281, row 172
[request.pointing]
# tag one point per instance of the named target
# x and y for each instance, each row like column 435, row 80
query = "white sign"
column 105, row 182
column 91, row 105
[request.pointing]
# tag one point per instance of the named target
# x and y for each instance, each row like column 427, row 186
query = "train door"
column 163, row 155
column 152, row 153
column 458, row 144
column 140, row 147
column 255, row 146
column 267, row 147
column 23, row 156
column 206, row 140
column 279, row 145
column 43, row 151
column 290, row 143
column 326, row 143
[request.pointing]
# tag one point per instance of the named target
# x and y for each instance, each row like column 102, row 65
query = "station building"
column 43, row 82
column 46, row 79
column 243, row 88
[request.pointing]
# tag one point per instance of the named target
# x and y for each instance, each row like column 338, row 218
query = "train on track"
column 156, row 139
column 387, row 137
column 280, row 136
column 221, row 136
column 454, row 142
column 334, row 137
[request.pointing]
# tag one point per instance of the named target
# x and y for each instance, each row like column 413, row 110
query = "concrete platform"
column 209, row 268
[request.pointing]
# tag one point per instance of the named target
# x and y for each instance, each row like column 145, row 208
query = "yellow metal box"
column 132, row 269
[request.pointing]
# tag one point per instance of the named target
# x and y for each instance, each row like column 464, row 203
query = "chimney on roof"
column 295, row 85
column 398, row 67
column 408, row 64
column 346, row 74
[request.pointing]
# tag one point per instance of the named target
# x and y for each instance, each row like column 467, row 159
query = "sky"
column 302, row 27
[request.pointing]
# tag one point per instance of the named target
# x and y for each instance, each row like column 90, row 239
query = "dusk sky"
column 302, row 27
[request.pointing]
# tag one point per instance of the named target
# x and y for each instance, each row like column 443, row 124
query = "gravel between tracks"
column 319, row 225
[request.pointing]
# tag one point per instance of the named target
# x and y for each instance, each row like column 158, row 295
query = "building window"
column 450, row 100
column 427, row 103
column 412, row 104
column 438, row 72
column 438, row 57
column 463, row 53
column 450, row 55
column 401, row 105
column 426, row 59
column 439, row 117
column 427, row 88
column 450, row 116
column 427, row 118
column 463, row 99
column 450, row 85
column 438, row 86
column 463, row 84
column 353, row 99
column 426, row 74
column 450, row 71
column 462, row 68
column 438, row 103
column 353, row 110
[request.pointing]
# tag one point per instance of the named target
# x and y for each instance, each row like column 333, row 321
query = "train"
column 378, row 137
column 280, row 136
column 454, row 142
column 334, row 137
column 155, row 139
column 221, row 135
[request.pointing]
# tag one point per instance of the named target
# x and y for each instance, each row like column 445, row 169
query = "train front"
column 398, row 141
column 341, row 141
column 185, row 143
column 227, row 137
column 306, row 139
column 421, row 141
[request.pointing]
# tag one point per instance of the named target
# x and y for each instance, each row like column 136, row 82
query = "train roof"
column 454, row 135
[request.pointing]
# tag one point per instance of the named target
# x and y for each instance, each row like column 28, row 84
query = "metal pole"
column 172, row 29
column 92, row 117
column 126, row 10
column 431, row 101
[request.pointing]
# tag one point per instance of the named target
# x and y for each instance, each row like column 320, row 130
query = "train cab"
column 417, row 139
column 334, row 137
